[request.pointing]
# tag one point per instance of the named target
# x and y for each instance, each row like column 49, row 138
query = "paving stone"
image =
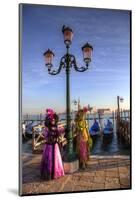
column 123, row 169
column 125, row 181
column 99, row 179
column 93, row 162
column 83, row 183
column 127, row 176
column 103, row 160
column 112, row 169
column 87, row 173
column 34, row 188
column 112, row 173
column 98, row 186
column 112, row 185
column 112, row 180
column 125, row 186
column 85, row 188
column 101, row 174
column 68, row 187
column 87, row 178
column 76, row 177
column 101, row 164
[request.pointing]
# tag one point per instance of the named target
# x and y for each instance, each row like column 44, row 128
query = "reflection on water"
column 109, row 146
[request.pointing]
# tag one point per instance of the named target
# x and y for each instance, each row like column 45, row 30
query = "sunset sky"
column 109, row 74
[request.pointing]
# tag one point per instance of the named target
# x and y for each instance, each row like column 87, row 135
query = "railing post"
column 113, row 117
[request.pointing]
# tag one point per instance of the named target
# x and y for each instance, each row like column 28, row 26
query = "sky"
column 108, row 31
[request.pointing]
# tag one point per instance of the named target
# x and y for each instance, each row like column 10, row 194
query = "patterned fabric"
column 58, row 167
column 47, row 162
column 82, row 144
column 82, row 148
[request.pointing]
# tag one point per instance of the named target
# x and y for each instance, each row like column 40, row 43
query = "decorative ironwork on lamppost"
column 67, row 62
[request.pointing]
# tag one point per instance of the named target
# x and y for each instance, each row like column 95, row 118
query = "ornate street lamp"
column 68, row 35
column 67, row 62
column 87, row 52
column 48, row 55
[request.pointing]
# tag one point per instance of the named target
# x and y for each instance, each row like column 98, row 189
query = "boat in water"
column 108, row 130
column 33, row 126
column 95, row 129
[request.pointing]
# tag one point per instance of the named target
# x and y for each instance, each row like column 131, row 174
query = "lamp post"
column 67, row 62
column 119, row 99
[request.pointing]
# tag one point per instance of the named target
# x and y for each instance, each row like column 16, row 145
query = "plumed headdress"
column 50, row 116
column 80, row 114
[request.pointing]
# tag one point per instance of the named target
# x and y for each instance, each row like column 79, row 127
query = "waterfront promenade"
column 102, row 173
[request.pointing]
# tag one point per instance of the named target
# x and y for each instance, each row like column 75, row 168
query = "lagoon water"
column 101, row 146
column 111, row 146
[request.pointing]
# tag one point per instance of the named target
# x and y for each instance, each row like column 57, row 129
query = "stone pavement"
column 102, row 173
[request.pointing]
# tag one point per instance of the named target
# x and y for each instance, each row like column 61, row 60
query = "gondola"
column 108, row 130
column 95, row 129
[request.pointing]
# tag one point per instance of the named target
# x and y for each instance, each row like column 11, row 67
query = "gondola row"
column 96, row 131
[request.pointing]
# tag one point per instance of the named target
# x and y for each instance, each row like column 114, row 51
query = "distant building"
column 103, row 110
column 94, row 110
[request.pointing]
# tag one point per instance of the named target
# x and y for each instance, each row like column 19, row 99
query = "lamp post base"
column 70, row 161
column 71, row 167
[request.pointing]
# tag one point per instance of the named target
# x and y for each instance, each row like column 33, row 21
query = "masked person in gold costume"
column 83, row 139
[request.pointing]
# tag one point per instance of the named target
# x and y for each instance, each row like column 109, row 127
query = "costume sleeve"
column 87, row 130
column 61, row 130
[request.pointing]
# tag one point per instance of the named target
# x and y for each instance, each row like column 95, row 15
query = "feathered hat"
column 50, row 114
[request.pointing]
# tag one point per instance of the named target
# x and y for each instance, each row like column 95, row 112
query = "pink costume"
column 51, row 163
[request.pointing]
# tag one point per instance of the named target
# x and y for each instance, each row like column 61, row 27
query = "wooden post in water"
column 124, row 114
column 99, row 118
column 118, row 104
column 113, row 117
column 27, row 117
column 118, row 112
column 121, row 114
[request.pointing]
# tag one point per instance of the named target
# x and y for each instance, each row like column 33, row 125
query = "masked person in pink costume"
column 51, row 163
